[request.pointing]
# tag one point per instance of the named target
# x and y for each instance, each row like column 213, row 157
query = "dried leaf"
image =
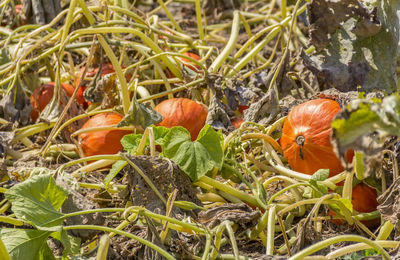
column 264, row 110
column 217, row 116
column 389, row 203
column 15, row 106
column 326, row 17
column 352, row 51
column 240, row 214
column 141, row 114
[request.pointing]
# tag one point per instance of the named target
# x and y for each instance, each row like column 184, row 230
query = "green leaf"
column 38, row 200
column 320, row 175
column 347, row 203
column 361, row 121
column 71, row 244
column 131, row 142
column 194, row 158
column 115, row 169
column 3, row 251
column 159, row 133
column 308, row 192
column 26, row 243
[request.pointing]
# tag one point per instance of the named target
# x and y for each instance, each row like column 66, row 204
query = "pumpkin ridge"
column 291, row 147
column 322, row 132
column 320, row 147
column 317, row 159
column 291, row 137
column 317, row 110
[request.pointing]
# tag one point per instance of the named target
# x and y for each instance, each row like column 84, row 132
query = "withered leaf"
column 356, row 46
column 15, row 106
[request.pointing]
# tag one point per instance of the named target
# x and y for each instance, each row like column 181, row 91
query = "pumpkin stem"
column 300, row 140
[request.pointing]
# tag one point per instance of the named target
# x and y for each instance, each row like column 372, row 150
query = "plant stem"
column 169, row 15
column 287, row 172
column 123, row 233
column 359, row 247
column 271, row 230
column 230, row 190
column 385, row 231
column 199, row 19
column 333, row 240
column 229, row 46
column 264, row 137
column 228, row 226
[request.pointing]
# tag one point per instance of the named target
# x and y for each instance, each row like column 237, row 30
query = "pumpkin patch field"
column 199, row 129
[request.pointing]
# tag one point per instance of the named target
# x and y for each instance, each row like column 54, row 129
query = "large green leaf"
column 194, row 158
column 27, row 244
column 37, row 200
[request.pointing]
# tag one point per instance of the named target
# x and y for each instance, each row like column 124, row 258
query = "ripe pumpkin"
column 364, row 201
column 183, row 112
column 43, row 94
column 306, row 137
column 104, row 141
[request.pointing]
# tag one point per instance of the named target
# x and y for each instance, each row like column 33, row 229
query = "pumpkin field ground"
column 199, row 129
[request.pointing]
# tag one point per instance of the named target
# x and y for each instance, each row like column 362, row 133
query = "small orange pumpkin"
column 306, row 137
column 183, row 112
column 364, row 201
column 104, row 141
column 43, row 94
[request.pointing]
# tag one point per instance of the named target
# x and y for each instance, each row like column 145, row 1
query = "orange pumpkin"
column 183, row 112
column 306, row 137
column 43, row 94
column 103, row 141
column 364, row 201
